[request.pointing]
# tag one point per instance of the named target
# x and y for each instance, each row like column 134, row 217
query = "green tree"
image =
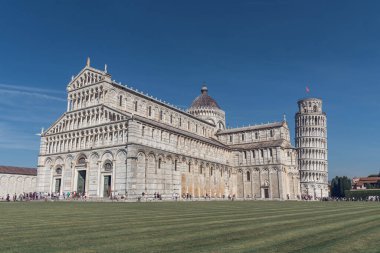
column 339, row 185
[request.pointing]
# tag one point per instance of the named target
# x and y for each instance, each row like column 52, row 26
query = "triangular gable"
column 87, row 76
column 59, row 121
column 49, row 130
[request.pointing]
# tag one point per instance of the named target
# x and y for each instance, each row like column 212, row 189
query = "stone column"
column 281, row 190
column 113, row 177
column 252, row 188
column 68, row 104
column 270, row 184
column 99, row 181
column 242, row 172
column 51, row 180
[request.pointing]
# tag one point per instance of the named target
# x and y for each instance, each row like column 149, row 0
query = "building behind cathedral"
column 116, row 140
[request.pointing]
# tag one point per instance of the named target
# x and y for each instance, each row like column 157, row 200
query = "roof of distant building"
column 18, row 170
column 361, row 181
column 369, row 178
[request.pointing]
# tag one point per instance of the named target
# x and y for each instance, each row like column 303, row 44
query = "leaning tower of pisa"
column 311, row 143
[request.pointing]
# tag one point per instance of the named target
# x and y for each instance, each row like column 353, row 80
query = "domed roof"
column 204, row 100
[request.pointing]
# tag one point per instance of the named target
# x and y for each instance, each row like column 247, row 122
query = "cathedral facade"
column 115, row 140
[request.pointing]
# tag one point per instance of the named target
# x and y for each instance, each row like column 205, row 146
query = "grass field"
column 250, row 226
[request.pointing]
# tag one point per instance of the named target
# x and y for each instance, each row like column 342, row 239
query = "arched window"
column 58, row 171
column 315, row 108
column 82, row 161
column 120, row 100
column 161, row 115
column 245, row 154
column 107, row 166
column 262, row 152
column 175, row 165
column 242, row 137
column 271, row 133
column 171, row 119
column 189, row 167
column 143, row 130
column 270, row 152
column 230, row 138
column 248, row 176
column 256, row 135
column 149, row 111
column 159, row 163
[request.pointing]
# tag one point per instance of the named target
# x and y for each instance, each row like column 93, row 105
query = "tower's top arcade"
column 310, row 105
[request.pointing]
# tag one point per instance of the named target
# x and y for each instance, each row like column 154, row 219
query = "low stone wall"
column 16, row 184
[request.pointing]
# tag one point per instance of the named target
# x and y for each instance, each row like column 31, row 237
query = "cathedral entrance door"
column 107, row 186
column 57, row 185
column 81, row 189
column 266, row 193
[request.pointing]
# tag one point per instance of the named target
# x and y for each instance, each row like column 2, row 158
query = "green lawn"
column 250, row 226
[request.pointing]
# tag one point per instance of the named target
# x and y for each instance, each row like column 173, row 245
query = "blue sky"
column 255, row 56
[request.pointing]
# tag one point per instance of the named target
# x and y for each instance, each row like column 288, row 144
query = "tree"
column 339, row 185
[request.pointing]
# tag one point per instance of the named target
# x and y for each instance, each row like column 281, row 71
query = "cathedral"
column 117, row 141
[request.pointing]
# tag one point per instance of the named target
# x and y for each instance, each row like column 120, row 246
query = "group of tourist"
column 68, row 196
column 26, row 196
column 188, row 196
column 369, row 198
column 176, row 197
column 43, row 196
column 156, row 196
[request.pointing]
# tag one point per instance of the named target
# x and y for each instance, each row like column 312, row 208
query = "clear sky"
column 255, row 56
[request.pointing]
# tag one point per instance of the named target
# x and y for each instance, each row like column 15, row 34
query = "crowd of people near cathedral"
column 32, row 196
column 26, row 196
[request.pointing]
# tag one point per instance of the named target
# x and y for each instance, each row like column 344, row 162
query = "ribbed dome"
column 204, row 100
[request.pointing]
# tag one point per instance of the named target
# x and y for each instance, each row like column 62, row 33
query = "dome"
column 204, row 100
